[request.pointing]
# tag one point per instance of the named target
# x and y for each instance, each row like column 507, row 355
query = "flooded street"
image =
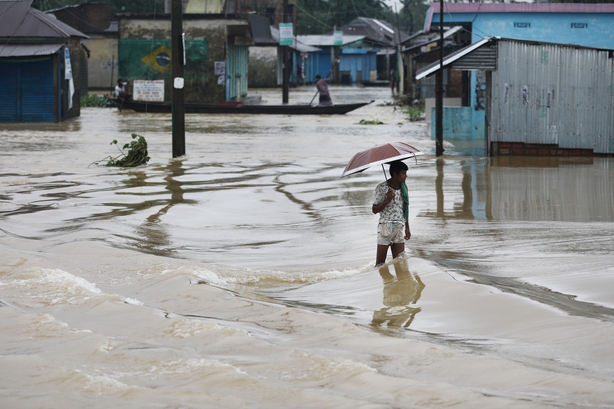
column 241, row 275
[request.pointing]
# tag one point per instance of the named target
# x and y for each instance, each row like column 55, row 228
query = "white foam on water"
column 185, row 328
column 192, row 365
column 221, row 275
column 101, row 385
column 132, row 301
column 47, row 326
column 56, row 287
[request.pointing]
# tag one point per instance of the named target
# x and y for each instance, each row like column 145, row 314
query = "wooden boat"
column 165, row 107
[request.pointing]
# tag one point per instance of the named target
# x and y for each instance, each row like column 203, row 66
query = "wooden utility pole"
column 285, row 64
column 177, row 57
column 439, row 90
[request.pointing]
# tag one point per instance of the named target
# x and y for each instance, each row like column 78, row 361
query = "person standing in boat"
column 391, row 201
column 322, row 87
column 120, row 90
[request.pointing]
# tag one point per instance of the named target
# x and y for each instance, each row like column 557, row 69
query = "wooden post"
column 177, row 51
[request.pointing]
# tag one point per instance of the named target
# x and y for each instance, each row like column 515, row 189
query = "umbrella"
column 379, row 155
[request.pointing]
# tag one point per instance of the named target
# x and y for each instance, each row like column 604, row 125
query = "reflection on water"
column 399, row 293
column 527, row 189
column 173, row 185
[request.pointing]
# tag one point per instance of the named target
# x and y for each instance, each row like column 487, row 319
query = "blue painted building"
column 357, row 62
column 367, row 52
column 589, row 25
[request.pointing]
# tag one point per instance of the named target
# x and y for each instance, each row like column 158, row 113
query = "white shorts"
column 389, row 233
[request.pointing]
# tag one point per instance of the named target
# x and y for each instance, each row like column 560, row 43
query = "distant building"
column 42, row 63
column 366, row 52
column 356, row 62
column 588, row 25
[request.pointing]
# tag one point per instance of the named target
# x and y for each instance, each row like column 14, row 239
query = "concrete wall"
column 262, row 67
column 102, row 63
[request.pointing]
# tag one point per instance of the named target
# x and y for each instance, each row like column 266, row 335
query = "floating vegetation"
column 414, row 114
column 371, row 122
column 136, row 155
column 97, row 101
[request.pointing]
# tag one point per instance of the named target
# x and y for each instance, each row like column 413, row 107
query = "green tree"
column 117, row 6
column 322, row 16
column 412, row 15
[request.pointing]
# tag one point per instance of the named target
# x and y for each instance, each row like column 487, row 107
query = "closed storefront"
column 28, row 86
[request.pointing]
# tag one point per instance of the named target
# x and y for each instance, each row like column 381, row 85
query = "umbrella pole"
column 385, row 177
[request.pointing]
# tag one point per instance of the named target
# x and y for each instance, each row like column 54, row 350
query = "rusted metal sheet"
column 553, row 94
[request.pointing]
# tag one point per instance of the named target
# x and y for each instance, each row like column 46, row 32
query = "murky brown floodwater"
column 241, row 275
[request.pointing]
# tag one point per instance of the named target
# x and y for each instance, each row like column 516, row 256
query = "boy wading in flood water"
column 391, row 201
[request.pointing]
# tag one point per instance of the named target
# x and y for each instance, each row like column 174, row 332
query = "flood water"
column 241, row 275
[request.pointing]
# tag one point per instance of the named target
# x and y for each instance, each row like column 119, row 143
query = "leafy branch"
column 136, row 155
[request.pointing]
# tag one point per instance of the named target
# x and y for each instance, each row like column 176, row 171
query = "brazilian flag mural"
column 150, row 59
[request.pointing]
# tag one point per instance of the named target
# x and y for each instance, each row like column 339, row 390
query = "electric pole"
column 285, row 56
column 177, row 57
column 439, row 90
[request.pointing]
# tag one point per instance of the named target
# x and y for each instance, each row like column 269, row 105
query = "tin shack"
column 41, row 65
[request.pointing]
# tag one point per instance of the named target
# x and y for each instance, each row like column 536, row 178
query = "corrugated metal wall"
column 29, row 93
column 236, row 72
column 547, row 94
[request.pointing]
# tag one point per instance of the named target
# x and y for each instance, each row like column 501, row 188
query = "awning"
column 449, row 59
column 446, row 34
column 28, row 50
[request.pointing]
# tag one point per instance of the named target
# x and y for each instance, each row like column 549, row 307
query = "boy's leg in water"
column 397, row 249
column 380, row 257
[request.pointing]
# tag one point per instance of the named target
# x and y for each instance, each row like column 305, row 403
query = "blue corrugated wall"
column 28, row 91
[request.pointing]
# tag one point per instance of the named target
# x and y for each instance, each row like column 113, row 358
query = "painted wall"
column 460, row 123
column 144, row 53
column 587, row 29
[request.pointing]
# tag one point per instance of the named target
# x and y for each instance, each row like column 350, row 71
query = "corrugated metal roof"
column 485, row 58
column 449, row 59
column 260, row 27
column 19, row 20
column 446, row 34
column 297, row 44
column 28, row 50
column 376, row 31
column 327, row 40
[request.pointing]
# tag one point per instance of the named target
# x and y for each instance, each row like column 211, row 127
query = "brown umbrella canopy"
column 379, row 155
